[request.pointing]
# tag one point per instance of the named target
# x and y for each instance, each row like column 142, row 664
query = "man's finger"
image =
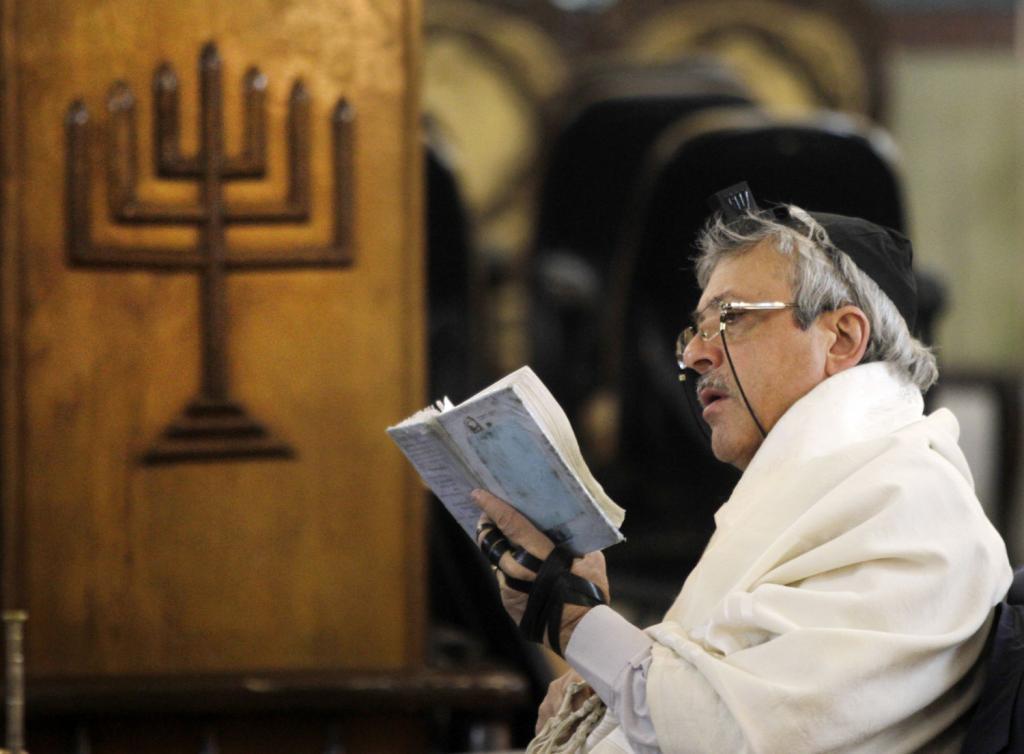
column 492, row 541
column 510, row 559
column 553, row 699
column 513, row 524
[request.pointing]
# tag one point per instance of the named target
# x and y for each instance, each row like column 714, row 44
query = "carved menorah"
column 212, row 425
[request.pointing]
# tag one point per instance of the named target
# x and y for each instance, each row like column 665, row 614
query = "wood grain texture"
column 372, row 734
column 314, row 562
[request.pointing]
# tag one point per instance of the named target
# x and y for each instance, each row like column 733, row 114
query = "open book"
column 513, row 440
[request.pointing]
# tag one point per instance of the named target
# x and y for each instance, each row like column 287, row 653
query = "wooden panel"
column 253, row 713
column 304, row 562
column 372, row 734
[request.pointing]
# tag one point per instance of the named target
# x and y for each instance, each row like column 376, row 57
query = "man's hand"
column 553, row 699
column 521, row 533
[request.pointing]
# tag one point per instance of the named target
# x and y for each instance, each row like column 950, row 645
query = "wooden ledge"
column 484, row 688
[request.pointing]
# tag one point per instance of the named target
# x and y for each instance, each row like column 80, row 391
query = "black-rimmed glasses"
column 704, row 324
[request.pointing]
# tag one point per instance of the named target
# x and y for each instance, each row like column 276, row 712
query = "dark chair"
column 664, row 474
column 613, row 115
column 452, row 319
column 997, row 724
column 988, row 406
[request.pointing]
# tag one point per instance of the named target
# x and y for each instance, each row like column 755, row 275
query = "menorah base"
column 209, row 430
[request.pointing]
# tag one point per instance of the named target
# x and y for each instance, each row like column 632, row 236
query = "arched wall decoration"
column 213, row 425
column 793, row 57
column 506, row 62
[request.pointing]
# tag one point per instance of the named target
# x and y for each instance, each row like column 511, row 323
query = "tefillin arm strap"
column 554, row 586
column 552, row 589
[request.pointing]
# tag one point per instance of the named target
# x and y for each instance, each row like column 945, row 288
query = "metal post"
column 14, row 679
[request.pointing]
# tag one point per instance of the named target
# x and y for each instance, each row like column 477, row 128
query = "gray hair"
column 824, row 279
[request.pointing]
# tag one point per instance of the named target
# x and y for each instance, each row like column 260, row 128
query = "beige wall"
column 957, row 118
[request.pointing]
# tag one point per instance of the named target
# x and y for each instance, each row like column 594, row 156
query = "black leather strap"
column 519, row 585
column 553, row 587
column 526, row 560
column 493, row 543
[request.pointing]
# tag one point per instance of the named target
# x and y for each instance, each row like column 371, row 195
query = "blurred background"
column 240, row 239
column 502, row 81
column 582, row 138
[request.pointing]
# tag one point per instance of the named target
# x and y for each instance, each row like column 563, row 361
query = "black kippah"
column 881, row 253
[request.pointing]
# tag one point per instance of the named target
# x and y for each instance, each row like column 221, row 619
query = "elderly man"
column 846, row 595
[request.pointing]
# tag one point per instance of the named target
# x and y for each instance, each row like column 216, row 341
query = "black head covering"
column 883, row 254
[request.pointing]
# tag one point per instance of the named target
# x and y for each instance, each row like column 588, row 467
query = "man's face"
column 776, row 361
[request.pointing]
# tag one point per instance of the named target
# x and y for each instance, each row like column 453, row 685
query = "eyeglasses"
column 728, row 312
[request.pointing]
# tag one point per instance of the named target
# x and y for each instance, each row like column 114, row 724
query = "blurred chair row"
column 610, row 283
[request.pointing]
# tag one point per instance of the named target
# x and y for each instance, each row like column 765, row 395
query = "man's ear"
column 850, row 332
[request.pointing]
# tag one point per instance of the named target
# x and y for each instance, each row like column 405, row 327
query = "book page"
column 551, row 419
column 441, row 469
column 515, row 460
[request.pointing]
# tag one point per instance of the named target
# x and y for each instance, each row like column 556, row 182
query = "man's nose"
column 702, row 355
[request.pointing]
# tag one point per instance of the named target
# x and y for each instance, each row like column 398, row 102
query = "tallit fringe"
column 566, row 731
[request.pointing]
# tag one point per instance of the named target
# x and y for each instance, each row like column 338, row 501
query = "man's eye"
column 733, row 318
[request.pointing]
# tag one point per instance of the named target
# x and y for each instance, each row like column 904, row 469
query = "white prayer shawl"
column 846, row 594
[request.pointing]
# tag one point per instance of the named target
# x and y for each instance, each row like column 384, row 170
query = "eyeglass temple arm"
column 758, row 306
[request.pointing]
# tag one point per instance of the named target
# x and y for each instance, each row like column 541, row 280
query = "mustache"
column 715, row 382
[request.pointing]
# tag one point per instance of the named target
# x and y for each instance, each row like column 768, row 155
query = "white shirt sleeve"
column 614, row 657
